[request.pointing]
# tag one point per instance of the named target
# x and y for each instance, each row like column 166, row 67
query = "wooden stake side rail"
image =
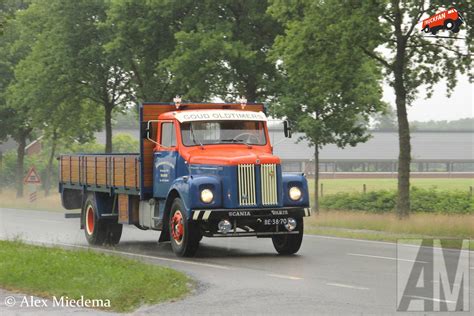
column 115, row 171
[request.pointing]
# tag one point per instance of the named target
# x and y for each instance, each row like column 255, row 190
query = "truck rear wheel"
column 291, row 243
column 99, row 232
column 184, row 234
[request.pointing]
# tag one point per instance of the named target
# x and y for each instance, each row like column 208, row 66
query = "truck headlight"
column 207, row 196
column 295, row 193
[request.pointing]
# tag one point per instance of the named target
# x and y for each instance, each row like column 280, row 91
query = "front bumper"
column 251, row 213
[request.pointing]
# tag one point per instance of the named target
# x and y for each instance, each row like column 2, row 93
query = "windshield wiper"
column 194, row 137
column 236, row 141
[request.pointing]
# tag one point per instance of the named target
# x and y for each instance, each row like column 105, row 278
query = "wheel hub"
column 177, row 227
column 90, row 220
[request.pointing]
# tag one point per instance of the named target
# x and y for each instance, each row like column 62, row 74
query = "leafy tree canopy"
column 328, row 89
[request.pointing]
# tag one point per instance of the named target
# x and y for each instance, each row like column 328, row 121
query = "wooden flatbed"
column 114, row 173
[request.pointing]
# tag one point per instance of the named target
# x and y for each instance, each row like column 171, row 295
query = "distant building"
column 34, row 147
column 431, row 152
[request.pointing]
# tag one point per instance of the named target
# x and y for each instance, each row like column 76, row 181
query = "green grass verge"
column 48, row 272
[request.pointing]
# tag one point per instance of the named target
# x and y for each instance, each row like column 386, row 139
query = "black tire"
column 434, row 31
column 184, row 234
column 426, row 29
column 449, row 24
column 455, row 30
column 99, row 232
column 291, row 243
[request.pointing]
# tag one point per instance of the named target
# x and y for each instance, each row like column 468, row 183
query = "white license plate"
column 275, row 221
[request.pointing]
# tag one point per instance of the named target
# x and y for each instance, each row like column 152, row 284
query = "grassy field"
column 50, row 203
column 47, row 272
column 387, row 227
column 331, row 186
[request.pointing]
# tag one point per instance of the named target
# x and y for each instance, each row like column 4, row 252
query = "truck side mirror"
column 149, row 129
column 287, row 129
column 144, row 130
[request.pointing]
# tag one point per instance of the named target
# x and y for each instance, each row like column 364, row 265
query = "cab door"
column 165, row 159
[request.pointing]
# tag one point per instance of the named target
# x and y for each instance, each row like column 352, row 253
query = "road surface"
column 244, row 275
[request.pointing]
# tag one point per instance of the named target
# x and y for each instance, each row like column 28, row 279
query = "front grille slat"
column 247, row 192
column 269, row 184
column 246, row 185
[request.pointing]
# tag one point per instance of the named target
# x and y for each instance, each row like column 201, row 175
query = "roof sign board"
column 219, row 115
column 32, row 177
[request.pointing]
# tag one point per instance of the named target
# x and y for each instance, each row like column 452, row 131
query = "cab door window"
column 168, row 135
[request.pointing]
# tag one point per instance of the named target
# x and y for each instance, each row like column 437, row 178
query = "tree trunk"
column 251, row 90
column 49, row 169
column 20, row 168
column 108, row 129
column 404, row 158
column 316, row 179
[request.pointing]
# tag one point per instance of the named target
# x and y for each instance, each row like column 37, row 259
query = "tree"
column 143, row 36
column 222, row 48
column 328, row 90
column 82, row 29
column 125, row 143
column 58, row 112
column 15, row 120
column 386, row 121
column 198, row 50
column 461, row 125
column 71, row 39
column 410, row 60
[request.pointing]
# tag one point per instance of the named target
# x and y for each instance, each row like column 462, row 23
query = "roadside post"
column 32, row 179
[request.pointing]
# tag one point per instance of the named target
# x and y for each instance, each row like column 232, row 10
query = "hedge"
column 422, row 200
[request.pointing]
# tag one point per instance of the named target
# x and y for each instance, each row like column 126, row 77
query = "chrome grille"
column 269, row 184
column 246, row 183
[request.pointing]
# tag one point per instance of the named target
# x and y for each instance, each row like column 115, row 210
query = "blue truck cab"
column 204, row 170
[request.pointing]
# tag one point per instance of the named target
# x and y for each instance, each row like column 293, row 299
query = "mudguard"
column 189, row 188
column 293, row 179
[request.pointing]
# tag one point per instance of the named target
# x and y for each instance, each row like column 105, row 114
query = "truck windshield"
column 223, row 132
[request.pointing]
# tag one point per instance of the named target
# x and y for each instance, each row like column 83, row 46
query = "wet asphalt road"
column 242, row 275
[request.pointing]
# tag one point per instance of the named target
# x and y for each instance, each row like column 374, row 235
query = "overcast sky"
column 440, row 107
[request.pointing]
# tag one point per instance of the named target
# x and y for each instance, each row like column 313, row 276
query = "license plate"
column 275, row 221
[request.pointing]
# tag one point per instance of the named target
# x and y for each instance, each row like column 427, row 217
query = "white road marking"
column 352, row 239
column 431, row 299
column 348, row 286
column 381, row 257
column 374, row 241
column 208, row 265
column 281, row 276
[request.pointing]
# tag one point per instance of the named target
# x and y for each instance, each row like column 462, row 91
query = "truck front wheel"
column 99, row 232
column 184, row 234
column 291, row 243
